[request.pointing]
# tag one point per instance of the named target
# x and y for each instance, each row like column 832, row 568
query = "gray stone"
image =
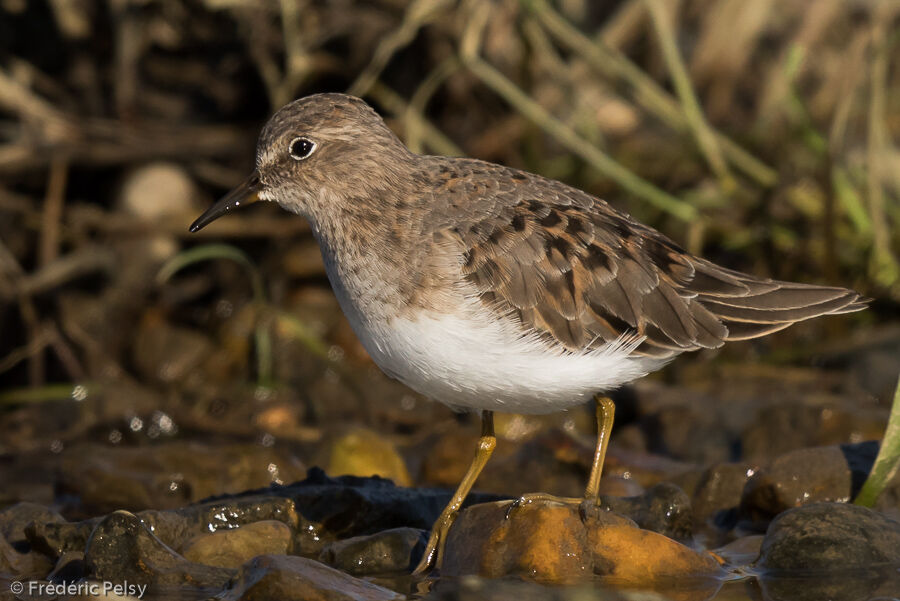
column 394, row 550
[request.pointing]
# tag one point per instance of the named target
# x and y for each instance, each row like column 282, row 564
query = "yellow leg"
column 606, row 412
column 438, row 537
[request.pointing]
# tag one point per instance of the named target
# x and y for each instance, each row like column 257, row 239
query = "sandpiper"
column 491, row 289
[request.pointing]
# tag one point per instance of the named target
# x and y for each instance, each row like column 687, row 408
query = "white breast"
column 473, row 360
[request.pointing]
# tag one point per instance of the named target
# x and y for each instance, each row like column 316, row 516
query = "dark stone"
column 718, row 494
column 122, row 549
column 56, row 538
column 829, row 537
column 14, row 520
column 318, row 510
column 395, row 550
column 69, row 568
column 806, row 476
column 178, row 526
column 665, row 509
column 232, row 547
column 348, row 506
column 292, row 578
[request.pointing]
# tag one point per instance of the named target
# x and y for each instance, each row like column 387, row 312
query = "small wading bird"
column 492, row 289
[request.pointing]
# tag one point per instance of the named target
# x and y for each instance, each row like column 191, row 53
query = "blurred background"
column 759, row 134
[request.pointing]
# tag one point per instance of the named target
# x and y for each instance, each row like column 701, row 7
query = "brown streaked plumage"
column 582, row 274
column 489, row 288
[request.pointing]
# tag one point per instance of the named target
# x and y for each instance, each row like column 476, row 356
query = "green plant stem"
column 706, row 140
column 612, row 64
column 568, row 138
column 207, row 252
column 43, row 394
column 884, row 267
column 888, row 461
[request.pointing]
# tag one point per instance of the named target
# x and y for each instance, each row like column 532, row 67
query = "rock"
column 830, row 551
column 665, row 509
column 806, row 476
column 24, row 565
column 178, row 526
column 122, row 549
column 14, row 519
column 829, row 537
column 69, row 567
column 108, row 478
column 362, row 452
column 57, row 538
column 350, row 506
column 289, row 578
column 718, row 493
column 231, row 548
column 153, row 192
column 156, row 190
column 549, row 542
column 394, row 550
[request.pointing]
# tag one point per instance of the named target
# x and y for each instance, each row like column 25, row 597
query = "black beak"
column 246, row 193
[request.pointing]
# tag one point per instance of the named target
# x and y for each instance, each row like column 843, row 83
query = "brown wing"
column 580, row 273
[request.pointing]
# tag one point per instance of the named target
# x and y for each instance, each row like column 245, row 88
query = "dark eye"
column 301, row 148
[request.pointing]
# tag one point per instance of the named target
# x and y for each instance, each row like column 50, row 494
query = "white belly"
column 472, row 360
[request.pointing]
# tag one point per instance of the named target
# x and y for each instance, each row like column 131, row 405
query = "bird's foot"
column 588, row 508
column 435, row 546
column 539, row 497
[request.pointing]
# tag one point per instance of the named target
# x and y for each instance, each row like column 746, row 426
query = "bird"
column 491, row 289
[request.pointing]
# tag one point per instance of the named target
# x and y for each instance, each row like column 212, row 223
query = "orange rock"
column 547, row 541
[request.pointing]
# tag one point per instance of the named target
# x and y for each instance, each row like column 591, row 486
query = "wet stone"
column 718, row 493
column 290, row 578
column 665, row 509
column 829, row 537
column 56, row 538
column 806, row 476
column 69, row 567
column 349, row 506
column 231, row 548
column 176, row 527
column 550, row 542
column 830, row 551
column 122, row 549
column 394, row 550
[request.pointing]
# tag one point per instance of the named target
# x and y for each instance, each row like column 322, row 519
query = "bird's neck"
column 374, row 254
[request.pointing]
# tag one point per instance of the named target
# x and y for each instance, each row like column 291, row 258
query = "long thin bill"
column 246, row 193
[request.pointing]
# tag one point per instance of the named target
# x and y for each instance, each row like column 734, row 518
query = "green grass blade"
column 888, row 461
column 209, row 252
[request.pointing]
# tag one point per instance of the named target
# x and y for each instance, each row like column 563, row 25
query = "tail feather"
column 752, row 307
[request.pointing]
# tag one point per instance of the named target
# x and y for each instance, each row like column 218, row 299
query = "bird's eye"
column 301, row 148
